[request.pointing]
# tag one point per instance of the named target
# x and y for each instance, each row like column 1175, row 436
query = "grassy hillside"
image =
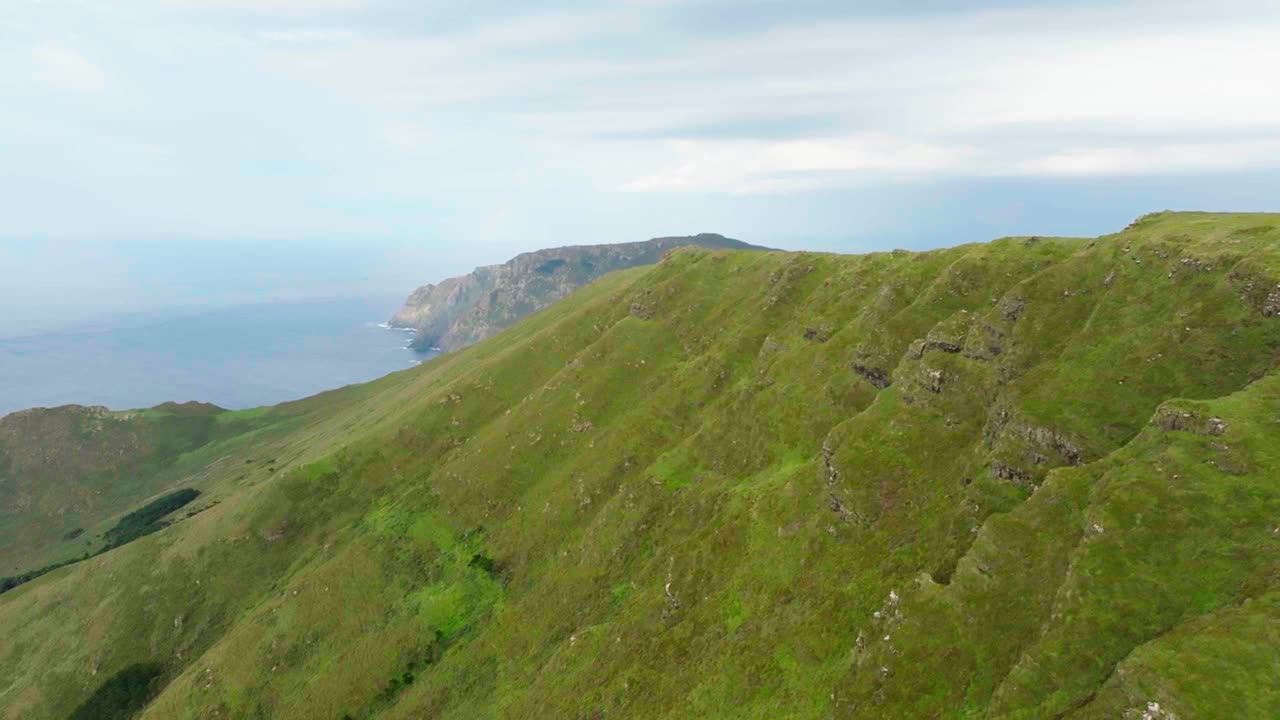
column 67, row 472
column 1032, row 478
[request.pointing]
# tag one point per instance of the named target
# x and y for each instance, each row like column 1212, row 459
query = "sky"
column 158, row 152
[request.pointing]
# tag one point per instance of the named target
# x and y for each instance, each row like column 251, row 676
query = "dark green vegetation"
column 66, row 472
column 13, row 581
column 461, row 310
column 1034, row 478
column 149, row 518
column 122, row 696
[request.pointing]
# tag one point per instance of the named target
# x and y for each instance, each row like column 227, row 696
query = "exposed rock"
column 1257, row 290
column 832, row 477
column 1009, row 473
column 920, row 347
column 1152, row 711
column 1051, row 439
column 672, row 605
column 828, row 454
column 819, row 334
column 1271, row 305
column 1195, row 264
column 1023, row 453
column 934, row 380
column 985, row 342
column 837, row 507
column 873, row 375
column 461, row 310
column 1175, row 420
column 889, row 614
column 673, row 601
column 1012, row 308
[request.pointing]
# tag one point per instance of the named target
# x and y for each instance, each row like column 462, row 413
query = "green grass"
column 678, row 494
column 73, row 469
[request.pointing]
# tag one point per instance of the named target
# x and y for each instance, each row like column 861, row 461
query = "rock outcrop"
column 461, row 310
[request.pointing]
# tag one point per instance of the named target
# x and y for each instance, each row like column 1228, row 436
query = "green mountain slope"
column 65, row 472
column 1031, row 478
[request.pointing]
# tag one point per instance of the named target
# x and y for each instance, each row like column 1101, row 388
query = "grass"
column 675, row 494
column 68, row 474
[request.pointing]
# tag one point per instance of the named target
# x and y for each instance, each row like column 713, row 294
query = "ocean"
column 236, row 358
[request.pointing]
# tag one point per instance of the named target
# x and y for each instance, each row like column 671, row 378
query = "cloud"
column 407, row 137
column 1160, row 159
column 268, row 6
column 797, row 165
column 824, row 96
column 1002, row 94
column 64, row 68
column 305, row 35
column 408, row 118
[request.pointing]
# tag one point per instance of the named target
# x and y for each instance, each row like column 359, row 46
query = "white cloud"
column 64, row 68
column 1190, row 77
column 1047, row 91
column 1179, row 158
column 797, row 165
column 497, row 61
column 413, row 116
column 406, row 136
column 305, row 36
column 268, row 6
column 1004, row 94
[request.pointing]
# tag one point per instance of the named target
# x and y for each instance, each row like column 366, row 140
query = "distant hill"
column 1032, row 478
column 462, row 310
column 65, row 471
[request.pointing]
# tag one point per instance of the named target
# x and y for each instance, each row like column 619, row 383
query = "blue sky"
column 398, row 141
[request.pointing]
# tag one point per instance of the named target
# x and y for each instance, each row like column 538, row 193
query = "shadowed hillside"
column 1031, row 478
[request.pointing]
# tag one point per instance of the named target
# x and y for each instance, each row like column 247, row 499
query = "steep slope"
column 1031, row 478
column 461, row 310
column 65, row 471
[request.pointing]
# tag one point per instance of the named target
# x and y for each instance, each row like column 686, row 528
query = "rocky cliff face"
column 461, row 310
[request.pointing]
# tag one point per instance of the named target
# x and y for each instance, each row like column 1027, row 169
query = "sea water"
column 236, row 357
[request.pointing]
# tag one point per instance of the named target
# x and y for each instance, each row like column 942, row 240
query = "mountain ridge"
column 1028, row 478
column 461, row 310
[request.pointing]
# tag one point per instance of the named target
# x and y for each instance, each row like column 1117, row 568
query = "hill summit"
column 1032, row 478
column 461, row 310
